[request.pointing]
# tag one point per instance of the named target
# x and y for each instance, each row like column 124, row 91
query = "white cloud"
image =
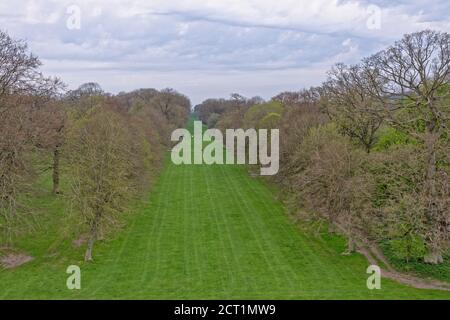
column 35, row 15
column 211, row 47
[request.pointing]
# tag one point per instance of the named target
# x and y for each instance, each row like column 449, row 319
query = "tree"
column 256, row 100
column 254, row 116
column 18, row 67
column 51, row 122
column 99, row 151
column 19, row 71
column 23, row 93
column 238, row 98
column 85, row 98
column 89, row 89
column 414, row 94
column 305, row 97
column 164, row 101
column 347, row 100
column 14, row 141
column 173, row 105
column 212, row 120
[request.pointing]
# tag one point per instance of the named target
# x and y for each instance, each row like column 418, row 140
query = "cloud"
column 211, row 47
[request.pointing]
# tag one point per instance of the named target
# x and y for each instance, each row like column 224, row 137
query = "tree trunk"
column 90, row 246
column 431, row 165
column 433, row 256
column 91, row 241
column 351, row 245
column 56, row 159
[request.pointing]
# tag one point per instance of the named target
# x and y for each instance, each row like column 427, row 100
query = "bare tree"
column 173, row 105
column 17, row 66
column 347, row 100
column 14, row 141
column 255, row 100
column 414, row 93
column 19, row 71
column 88, row 89
column 288, row 98
column 164, row 101
column 51, row 122
column 23, row 91
column 85, row 98
column 238, row 98
column 298, row 98
column 99, row 154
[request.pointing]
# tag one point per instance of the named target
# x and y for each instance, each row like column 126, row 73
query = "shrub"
column 409, row 247
column 294, row 126
column 402, row 202
column 330, row 181
column 391, row 137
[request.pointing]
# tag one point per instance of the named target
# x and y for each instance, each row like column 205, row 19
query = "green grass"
column 206, row 232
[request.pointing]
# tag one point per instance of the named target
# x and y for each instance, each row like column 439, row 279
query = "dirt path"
column 374, row 256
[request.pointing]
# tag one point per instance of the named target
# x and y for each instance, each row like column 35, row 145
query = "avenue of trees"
column 101, row 150
column 368, row 151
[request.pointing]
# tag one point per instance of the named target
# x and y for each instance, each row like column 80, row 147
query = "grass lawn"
column 205, row 232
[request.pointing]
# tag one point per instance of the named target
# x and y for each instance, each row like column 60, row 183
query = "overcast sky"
column 210, row 48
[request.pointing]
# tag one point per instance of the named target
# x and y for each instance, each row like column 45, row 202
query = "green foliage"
column 376, row 195
column 270, row 121
column 416, row 266
column 391, row 137
column 408, row 247
column 395, row 171
column 257, row 113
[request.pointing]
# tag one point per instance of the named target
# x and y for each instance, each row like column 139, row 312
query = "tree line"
column 101, row 150
column 368, row 151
